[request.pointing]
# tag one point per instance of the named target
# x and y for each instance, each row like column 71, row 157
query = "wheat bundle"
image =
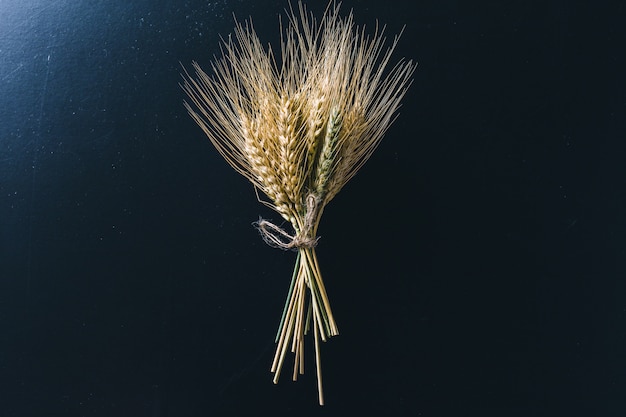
column 299, row 128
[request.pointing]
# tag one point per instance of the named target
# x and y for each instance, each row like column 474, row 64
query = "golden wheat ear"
column 299, row 127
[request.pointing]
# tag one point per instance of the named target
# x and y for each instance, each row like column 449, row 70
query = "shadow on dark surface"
column 476, row 265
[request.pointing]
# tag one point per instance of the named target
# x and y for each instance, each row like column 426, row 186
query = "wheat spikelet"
column 299, row 126
column 315, row 127
column 327, row 160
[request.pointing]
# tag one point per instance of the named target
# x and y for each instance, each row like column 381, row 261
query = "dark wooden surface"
column 484, row 270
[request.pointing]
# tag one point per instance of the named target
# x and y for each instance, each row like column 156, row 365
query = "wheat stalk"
column 299, row 127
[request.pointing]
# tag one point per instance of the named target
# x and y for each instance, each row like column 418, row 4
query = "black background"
column 476, row 265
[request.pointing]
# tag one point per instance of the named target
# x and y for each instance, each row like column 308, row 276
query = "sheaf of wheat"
column 299, row 123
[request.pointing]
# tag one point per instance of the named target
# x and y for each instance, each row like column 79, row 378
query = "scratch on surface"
column 19, row 67
column 43, row 93
column 33, row 16
column 36, row 141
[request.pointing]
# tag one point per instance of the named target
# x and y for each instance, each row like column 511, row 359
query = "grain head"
column 306, row 121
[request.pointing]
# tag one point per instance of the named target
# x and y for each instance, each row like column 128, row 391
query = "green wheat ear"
column 327, row 160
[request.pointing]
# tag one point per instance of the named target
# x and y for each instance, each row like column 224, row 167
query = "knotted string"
column 277, row 237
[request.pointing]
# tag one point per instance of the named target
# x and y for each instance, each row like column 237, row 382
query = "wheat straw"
column 299, row 126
